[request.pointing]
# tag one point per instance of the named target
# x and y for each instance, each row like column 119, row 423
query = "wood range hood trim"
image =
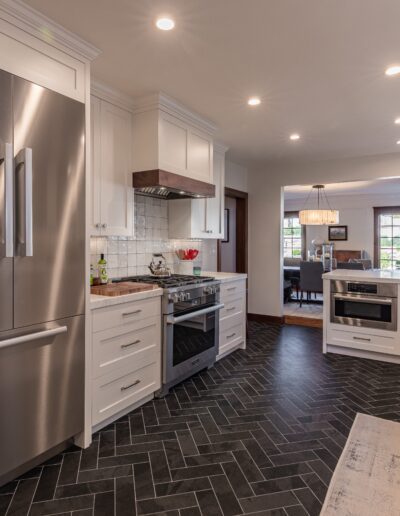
column 167, row 185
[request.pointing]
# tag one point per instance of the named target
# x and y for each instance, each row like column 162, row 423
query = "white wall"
column 266, row 208
column 236, row 176
column 356, row 212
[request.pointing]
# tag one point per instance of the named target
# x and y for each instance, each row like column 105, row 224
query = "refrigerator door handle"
column 32, row 336
column 6, row 156
column 23, row 167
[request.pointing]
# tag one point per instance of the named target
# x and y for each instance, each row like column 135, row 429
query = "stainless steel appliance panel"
column 41, row 389
column 367, row 305
column 49, row 150
column 6, row 261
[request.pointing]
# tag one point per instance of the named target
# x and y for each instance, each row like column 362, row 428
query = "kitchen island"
column 361, row 314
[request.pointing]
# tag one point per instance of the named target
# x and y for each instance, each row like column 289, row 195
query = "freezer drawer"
column 41, row 389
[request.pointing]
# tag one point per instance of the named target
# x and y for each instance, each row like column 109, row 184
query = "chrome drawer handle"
column 231, row 288
column 126, row 387
column 131, row 313
column 232, row 308
column 361, row 338
column 230, row 336
column 123, row 346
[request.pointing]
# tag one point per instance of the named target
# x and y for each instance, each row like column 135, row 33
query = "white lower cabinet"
column 232, row 318
column 126, row 357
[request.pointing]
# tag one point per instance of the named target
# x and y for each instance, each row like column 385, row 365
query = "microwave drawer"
column 363, row 341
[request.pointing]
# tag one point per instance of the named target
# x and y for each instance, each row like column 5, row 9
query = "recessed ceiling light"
column 254, row 101
column 182, row 192
column 295, row 137
column 398, row 142
column 397, row 121
column 165, row 23
column 392, row 70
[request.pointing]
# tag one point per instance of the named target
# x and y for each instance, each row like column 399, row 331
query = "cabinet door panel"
column 200, row 157
column 173, row 145
column 116, row 191
column 95, row 173
column 215, row 206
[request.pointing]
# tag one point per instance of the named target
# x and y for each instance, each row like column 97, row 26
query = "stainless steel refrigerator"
column 42, row 272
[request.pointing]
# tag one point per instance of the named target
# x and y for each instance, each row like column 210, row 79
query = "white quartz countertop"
column 225, row 276
column 377, row 275
column 101, row 301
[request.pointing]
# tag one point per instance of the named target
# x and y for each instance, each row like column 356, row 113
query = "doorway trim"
column 241, row 230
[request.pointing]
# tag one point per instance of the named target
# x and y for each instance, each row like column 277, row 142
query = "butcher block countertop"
column 122, row 293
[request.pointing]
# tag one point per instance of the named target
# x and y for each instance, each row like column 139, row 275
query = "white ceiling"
column 318, row 66
column 354, row 188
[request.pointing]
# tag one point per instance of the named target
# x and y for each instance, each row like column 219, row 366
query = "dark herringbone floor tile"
column 261, row 432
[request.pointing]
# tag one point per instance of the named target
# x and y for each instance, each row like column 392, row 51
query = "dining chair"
column 310, row 279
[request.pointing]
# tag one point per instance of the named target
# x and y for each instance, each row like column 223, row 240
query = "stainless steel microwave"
column 364, row 304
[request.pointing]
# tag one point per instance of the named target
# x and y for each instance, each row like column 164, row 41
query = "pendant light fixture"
column 319, row 216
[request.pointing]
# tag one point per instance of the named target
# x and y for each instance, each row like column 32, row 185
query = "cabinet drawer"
column 225, row 348
column 125, row 313
column 114, row 393
column 233, row 288
column 230, row 334
column 231, row 322
column 233, row 307
column 137, row 342
column 363, row 341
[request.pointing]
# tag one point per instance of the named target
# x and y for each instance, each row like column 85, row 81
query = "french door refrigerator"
column 42, row 272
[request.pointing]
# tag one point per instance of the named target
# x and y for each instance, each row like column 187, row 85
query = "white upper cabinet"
column 111, row 174
column 169, row 137
column 201, row 218
column 60, row 62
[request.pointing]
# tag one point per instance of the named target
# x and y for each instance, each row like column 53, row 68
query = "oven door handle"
column 174, row 320
column 380, row 300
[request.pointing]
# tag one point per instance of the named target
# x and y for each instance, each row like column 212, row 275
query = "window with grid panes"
column 292, row 236
column 387, row 238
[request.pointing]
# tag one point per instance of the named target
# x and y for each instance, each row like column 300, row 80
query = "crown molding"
column 220, row 147
column 37, row 24
column 171, row 106
column 111, row 95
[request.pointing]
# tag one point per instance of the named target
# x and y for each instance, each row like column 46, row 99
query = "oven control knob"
column 188, row 296
column 207, row 290
column 175, row 298
column 182, row 296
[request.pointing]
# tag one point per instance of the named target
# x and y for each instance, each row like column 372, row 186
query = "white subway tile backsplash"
column 131, row 256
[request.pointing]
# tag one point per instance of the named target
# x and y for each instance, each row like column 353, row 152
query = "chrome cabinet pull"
column 231, row 308
column 126, row 387
column 98, row 225
column 362, row 338
column 123, row 346
column 231, row 288
column 230, row 336
column 23, row 161
column 104, row 226
column 131, row 313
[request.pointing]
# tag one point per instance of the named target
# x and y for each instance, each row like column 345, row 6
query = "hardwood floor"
column 260, row 432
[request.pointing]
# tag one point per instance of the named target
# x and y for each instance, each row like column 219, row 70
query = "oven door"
column 364, row 311
column 190, row 342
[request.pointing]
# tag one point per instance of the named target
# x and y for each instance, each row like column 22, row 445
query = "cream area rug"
column 366, row 481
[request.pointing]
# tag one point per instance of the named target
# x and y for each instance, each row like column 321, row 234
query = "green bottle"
column 91, row 275
column 102, row 266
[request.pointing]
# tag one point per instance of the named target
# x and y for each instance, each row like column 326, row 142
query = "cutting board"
column 121, row 289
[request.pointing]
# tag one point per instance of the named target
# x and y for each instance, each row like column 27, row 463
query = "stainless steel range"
column 190, row 306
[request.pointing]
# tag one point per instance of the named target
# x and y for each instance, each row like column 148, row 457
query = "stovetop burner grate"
column 175, row 280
